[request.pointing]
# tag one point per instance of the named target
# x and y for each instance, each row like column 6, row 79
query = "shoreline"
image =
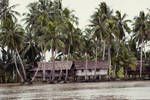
column 43, row 83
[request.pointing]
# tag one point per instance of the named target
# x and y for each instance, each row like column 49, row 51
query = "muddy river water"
column 78, row 91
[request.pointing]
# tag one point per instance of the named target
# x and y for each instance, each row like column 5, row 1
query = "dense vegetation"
column 51, row 27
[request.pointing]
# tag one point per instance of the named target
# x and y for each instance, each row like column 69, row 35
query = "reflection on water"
column 78, row 91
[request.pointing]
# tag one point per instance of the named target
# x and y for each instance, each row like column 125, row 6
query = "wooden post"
column 86, row 64
column 43, row 73
column 66, row 75
column 100, row 77
column 60, row 75
column 50, row 75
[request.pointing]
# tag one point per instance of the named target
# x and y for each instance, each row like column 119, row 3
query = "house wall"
column 91, row 72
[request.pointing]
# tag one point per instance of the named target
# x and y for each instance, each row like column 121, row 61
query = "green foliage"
column 50, row 26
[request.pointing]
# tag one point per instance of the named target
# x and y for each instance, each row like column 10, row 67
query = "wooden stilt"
column 60, row 75
column 44, row 73
column 86, row 64
column 50, row 75
column 66, row 75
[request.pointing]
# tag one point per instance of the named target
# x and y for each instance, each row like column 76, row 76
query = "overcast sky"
column 85, row 8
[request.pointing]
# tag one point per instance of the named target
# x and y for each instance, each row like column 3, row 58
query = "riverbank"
column 9, row 84
column 126, row 90
column 130, row 83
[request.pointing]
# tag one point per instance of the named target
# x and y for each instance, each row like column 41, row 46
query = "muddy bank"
column 77, row 91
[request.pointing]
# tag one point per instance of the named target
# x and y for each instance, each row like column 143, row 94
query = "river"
column 78, row 91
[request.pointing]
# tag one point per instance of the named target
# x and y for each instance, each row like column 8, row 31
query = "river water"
column 78, row 91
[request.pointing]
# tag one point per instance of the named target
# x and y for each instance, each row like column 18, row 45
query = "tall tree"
column 45, row 23
column 97, row 23
column 141, row 26
column 12, row 37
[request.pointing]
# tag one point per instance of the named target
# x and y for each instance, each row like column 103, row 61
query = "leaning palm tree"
column 44, row 21
column 140, row 28
column 12, row 34
column 12, row 37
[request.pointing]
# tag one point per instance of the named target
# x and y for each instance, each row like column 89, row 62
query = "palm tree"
column 122, row 25
column 69, row 20
column 3, row 7
column 77, row 46
column 12, row 34
column 54, row 43
column 98, row 20
column 12, row 38
column 44, row 22
column 88, row 48
column 120, row 32
column 125, row 60
column 140, row 28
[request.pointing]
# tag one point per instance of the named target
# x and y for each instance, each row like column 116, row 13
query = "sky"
column 85, row 8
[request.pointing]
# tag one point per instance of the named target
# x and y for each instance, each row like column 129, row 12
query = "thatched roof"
column 91, row 65
column 59, row 65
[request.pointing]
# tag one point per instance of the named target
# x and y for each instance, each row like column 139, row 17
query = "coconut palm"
column 140, row 28
column 69, row 29
column 12, row 34
column 98, row 20
column 12, row 38
column 31, row 51
column 125, row 60
column 103, row 25
column 88, row 48
column 122, row 25
column 120, row 32
column 77, row 51
column 45, row 23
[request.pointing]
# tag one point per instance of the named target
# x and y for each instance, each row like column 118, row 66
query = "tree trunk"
column 86, row 64
column 53, row 64
column 145, row 56
column 22, row 80
column 115, row 69
column 104, row 47
column 13, row 76
column 125, row 73
column 109, row 59
column 44, row 73
column 43, row 65
column 5, row 77
column 66, row 77
column 141, row 59
column 68, row 53
column 60, row 74
column 35, row 74
column 96, row 64
column 23, row 69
